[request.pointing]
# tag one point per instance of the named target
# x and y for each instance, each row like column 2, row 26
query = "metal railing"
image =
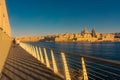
column 73, row 66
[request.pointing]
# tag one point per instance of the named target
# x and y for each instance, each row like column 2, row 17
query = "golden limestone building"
column 5, row 33
column 85, row 35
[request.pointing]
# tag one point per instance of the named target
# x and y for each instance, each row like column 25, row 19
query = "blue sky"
column 42, row 17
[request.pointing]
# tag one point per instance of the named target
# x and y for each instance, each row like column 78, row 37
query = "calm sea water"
column 107, row 50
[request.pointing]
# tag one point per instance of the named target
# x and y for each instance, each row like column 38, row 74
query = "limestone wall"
column 4, row 21
column 5, row 43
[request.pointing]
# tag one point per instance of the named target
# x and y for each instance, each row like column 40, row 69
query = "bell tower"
column 4, row 21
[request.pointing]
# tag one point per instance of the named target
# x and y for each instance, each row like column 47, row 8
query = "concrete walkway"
column 22, row 66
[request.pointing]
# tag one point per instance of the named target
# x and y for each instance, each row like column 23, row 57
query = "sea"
column 106, row 50
column 96, row 70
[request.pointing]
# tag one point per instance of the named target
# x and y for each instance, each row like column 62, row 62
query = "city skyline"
column 42, row 17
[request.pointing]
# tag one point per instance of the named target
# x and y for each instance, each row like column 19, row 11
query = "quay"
column 22, row 66
column 30, row 62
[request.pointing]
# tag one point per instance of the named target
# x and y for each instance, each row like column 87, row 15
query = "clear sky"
column 42, row 17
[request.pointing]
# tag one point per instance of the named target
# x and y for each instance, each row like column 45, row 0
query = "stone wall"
column 5, row 44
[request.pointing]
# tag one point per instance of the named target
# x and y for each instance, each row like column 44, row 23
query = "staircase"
column 22, row 66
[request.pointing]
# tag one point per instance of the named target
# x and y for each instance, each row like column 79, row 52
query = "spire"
column 93, row 32
column 4, row 21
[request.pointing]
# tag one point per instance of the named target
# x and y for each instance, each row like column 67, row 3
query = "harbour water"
column 106, row 50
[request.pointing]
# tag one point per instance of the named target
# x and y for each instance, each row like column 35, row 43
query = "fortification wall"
column 5, row 44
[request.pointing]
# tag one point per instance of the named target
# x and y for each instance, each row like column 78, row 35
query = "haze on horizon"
column 42, row 17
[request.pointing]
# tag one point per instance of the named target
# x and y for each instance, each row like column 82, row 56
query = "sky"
column 42, row 17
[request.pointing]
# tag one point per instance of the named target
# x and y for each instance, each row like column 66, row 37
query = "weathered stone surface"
column 4, row 21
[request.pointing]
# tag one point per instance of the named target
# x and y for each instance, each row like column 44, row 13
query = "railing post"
column 31, row 49
column 84, row 69
column 46, row 58
column 34, row 54
column 54, row 62
column 41, row 55
column 38, row 56
column 67, row 74
column 27, row 47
